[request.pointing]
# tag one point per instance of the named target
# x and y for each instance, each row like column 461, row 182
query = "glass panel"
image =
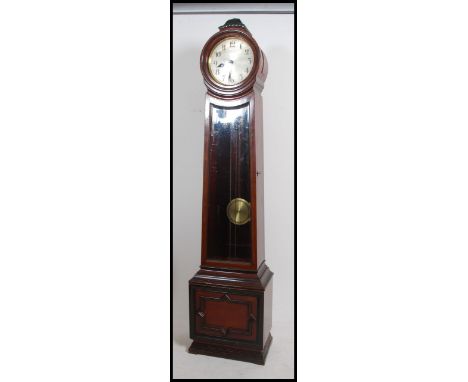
column 229, row 227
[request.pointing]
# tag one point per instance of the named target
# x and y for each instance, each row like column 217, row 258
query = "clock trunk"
column 233, row 164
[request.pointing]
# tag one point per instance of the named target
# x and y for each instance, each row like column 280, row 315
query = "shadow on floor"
column 183, row 339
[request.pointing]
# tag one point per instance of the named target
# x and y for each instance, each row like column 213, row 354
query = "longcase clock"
column 231, row 294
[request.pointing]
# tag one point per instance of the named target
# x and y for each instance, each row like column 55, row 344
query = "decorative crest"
column 233, row 23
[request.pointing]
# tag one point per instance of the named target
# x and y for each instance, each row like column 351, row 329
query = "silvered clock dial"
column 231, row 61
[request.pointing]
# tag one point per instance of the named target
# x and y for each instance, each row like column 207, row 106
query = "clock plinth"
column 247, row 355
column 231, row 294
column 230, row 313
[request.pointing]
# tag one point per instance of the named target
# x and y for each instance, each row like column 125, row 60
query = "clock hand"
column 222, row 63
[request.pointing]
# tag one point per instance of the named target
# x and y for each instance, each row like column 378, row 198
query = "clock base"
column 231, row 313
column 247, row 355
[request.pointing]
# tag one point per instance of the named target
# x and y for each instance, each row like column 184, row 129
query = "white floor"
column 279, row 362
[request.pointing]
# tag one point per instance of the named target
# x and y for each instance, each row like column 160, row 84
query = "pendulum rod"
column 236, row 123
column 230, row 181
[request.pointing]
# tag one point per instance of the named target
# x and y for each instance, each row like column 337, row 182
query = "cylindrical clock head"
column 231, row 61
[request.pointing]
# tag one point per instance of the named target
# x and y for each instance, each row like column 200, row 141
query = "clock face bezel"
column 216, row 87
column 210, row 56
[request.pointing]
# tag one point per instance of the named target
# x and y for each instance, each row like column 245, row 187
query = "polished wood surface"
column 226, row 314
column 231, row 295
column 231, row 308
column 237, row 353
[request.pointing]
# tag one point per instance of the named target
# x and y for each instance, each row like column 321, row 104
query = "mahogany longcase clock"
column 231, row 294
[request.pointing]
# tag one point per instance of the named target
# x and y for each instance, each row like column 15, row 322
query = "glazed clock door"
column 228, row 206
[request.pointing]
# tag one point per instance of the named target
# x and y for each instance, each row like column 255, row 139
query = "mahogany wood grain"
column 226, row 315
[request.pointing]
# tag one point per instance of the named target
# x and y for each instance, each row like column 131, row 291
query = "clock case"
column 231, row 300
